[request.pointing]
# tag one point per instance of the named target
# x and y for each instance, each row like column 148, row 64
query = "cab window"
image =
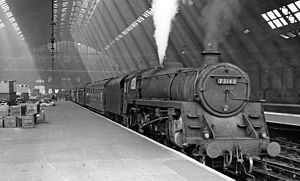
column 133, row 83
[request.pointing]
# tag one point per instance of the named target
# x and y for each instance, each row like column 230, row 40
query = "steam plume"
column 164, row 12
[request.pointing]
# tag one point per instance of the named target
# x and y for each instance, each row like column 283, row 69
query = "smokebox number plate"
column 226, row 81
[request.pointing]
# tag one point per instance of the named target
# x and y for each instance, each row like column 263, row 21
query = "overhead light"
column 284, row 36
column 246, row 31
column 290, row 34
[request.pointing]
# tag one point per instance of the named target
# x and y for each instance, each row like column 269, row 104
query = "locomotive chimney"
column 210, row 55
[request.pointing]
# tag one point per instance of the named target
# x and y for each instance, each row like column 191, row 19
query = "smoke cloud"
column 216, row 16
column 163, row 12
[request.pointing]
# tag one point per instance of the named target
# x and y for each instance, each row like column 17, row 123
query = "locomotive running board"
column 157, row 103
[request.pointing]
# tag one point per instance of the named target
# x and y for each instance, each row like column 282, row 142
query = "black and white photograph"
column 149, row 90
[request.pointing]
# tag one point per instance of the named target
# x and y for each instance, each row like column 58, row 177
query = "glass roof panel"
column 82, row 11
column 265, row 17
column 55, row 17
column 271, row 15
column 284, row 10
column 283, row 21
column 292, row 19
column 12, row 19
column 298, row 16
column 65, row 4
column 276, row 12
column 271, row 25
column 283, row 15
column 292, row 7
column 9, row 15
column 5, row 7
column 277, row 23
column 297, row 4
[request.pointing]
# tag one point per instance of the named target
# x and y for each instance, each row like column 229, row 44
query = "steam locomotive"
column 204, row 111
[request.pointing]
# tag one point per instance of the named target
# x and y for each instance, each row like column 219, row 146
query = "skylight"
column 77, row 12
column 135, row 23
column 290, row 34
column 9, row 15
column 283, row 16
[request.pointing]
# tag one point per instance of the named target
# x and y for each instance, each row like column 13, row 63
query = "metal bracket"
column 205, row 120
column 249, row 128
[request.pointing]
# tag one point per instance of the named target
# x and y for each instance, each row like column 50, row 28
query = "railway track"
column 284, row 167
column 287, row 145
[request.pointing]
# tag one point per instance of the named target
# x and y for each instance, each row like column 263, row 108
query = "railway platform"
column 76, row 144
column 287, row 115
column 282, row 108
column 283, row 119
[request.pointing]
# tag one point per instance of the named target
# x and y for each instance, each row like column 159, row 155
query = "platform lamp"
column 52, row 41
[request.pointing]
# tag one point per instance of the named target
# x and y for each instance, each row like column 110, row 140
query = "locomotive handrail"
column 235, row 76
column 196, row 95
column 169, row 73
column 170, row 85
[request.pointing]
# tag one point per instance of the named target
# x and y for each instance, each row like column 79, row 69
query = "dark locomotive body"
column 205, row 111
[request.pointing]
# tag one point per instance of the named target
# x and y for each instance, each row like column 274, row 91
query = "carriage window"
column 125, row 87
column 101, row 99
column 133, row 83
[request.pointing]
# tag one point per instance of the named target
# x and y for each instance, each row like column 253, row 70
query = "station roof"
column 123, row 30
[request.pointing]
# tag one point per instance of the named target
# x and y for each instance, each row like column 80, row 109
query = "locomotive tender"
column 205, row 111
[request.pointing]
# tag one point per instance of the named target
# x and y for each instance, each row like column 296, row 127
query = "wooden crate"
column 26, row 121
column 1, row 122
column 19, row 110
column 4, row 110
column 32, row 109
column 10, row 122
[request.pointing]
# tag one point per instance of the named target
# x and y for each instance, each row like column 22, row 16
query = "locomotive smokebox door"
column 223, row 89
